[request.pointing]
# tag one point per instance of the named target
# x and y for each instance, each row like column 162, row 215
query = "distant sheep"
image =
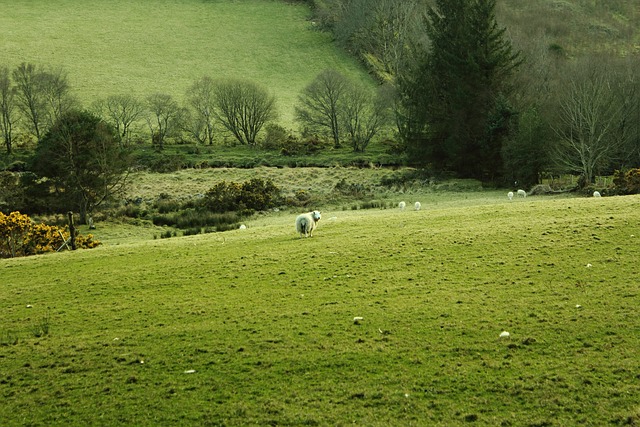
column 417, row 206
column 596, row 194
column 306, row 223
column 522, row 193
column 402, row 205
column 510, row 195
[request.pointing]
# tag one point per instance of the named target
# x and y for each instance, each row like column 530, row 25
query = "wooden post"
column 72, row 231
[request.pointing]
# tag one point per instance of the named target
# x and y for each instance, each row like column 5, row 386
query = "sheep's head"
column 316, row 215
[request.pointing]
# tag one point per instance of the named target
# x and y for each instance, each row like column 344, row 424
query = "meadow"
column 256, row 326
column 164, row 46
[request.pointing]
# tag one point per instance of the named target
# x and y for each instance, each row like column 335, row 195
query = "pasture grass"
column 255, row 326
column 144, row 47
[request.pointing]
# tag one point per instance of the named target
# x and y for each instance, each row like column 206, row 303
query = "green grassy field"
column 164, row 46
column 256, row 326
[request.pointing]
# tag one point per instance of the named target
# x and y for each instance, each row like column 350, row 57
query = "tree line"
column 476, row 100
column 82, row 155
column 33, row 98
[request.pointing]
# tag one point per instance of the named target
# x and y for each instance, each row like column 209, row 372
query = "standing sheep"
column 402, row 205
column 596, row 194
column 417, row 206
column 510, row 195
column 306, row 223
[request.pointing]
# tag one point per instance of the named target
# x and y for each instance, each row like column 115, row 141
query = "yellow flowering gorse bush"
column 20, row 236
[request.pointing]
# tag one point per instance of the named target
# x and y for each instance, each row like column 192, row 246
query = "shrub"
column 223, row 197
column 258, row 194
column 253, row 195
column 20, row 236
column 627, row 182
column 275, row 137
column 309, row 145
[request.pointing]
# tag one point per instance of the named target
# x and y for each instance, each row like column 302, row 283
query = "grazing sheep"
column 417, row 206
column 510, row 195
column 522, row 193
column 306, row 223
column 402, row 205
column 596, row 194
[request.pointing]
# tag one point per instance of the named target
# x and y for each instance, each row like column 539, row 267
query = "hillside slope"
column 576, row 26
column 144, row 47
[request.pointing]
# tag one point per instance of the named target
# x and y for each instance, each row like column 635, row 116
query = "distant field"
column 143, row 47
column 256, row 326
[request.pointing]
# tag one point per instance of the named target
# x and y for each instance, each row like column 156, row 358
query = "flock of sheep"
column 306, row 223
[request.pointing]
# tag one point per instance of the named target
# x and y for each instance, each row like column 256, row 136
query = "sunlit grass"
column 255, row 326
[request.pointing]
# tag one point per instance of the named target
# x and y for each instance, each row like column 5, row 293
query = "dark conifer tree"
column 463, row 113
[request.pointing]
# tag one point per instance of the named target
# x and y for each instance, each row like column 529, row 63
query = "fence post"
column 72, row 231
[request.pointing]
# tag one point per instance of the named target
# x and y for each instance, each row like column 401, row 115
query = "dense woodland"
column 510, row 91
column 500, row 91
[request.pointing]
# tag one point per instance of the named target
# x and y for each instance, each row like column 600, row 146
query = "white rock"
column 190, row 371
column 505, row 334
column 357, row 319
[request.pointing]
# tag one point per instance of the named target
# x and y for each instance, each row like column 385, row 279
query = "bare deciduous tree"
column 43, row 96
column 364, row 114
column 319, row 104
column 7, row 108
column 122, row 111
column 30, row 99
column 56, row 90
column 592, row 120
column 201, row 99
column 163, row 117
column 243, row 108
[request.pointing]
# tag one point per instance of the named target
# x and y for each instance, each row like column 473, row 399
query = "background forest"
column 569, row 106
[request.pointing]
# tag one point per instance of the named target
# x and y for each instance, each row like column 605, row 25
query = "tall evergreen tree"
column 463, row 114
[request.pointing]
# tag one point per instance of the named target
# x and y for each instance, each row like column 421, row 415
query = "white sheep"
column 522, row 193
column 510, row 195
column 417, row 206
column 402, row 205
column 596, row 194
column 306, row 223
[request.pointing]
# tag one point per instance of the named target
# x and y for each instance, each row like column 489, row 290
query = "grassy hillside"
column 143, row 47
column 256, row 326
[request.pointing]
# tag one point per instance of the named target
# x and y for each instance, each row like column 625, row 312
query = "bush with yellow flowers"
column 20, row 236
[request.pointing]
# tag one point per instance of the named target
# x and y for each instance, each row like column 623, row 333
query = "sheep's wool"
column 306, row 223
